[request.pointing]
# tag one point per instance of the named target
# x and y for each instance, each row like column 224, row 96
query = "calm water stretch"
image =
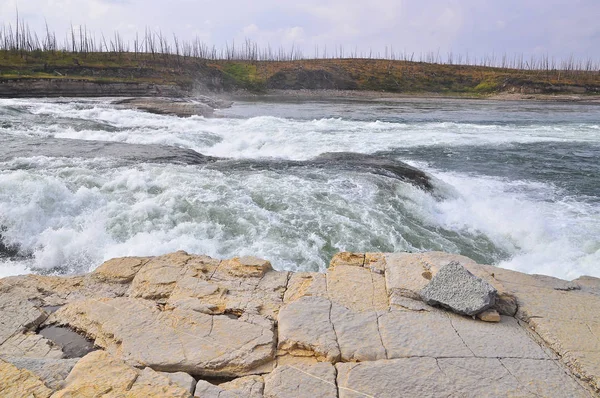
column 515, row 184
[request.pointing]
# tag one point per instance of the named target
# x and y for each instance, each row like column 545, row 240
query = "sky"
column 558, row 28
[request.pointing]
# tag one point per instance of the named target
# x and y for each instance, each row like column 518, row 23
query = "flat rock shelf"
column 183, row 325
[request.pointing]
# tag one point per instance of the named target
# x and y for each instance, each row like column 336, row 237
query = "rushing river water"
column 515, row 184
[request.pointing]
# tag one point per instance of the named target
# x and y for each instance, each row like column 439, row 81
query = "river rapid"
column 515, row 184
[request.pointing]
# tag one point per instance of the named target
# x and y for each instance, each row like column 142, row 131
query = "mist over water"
column 515, row 184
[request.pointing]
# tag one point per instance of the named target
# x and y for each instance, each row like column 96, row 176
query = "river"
column 515, row 184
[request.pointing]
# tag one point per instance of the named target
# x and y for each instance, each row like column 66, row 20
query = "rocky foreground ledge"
column 182, row 325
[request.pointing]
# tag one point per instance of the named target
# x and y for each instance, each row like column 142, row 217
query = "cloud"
column 556, row 27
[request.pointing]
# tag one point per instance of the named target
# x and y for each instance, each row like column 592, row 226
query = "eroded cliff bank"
column 179, row 325
column 105, row 74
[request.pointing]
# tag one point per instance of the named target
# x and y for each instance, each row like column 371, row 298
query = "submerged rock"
column 202, row 106
column 454, row 287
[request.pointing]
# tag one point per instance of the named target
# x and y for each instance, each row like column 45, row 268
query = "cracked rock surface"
column 183, row 325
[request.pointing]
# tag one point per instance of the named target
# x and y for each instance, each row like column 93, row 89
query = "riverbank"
column 108, row 74
column 39, row 88
column 326, row 95
column 239, row 328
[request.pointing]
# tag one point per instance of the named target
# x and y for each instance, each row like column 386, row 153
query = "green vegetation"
column 487, row 86
column 244, row 75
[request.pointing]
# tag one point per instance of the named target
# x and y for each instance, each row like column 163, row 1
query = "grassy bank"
column 396, row 76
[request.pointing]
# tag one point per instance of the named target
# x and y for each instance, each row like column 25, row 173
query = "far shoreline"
column 327, row 94
column 74, row 88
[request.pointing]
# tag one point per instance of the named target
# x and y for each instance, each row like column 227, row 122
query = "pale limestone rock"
column 203, row 266
column 305, row 329
column 18, row 383
column 303, row 284
column 247, row 266
column 287, row 359
column 356, row 288
column 51, row 371
column 506, row 339
column 336, row 326
column 119, row 270
column 181, row 379
column 392, row 378
column 589, row 283
column 561, row 317
column 99, row 374
column 264, row 295
column 198, row 295
column 399, row 302
column 480, row 377
column 248, row 285
column 248, row 386
column 375, row 262
column 96, row 374
column 189, row 286
column 17, row 315
column 357, row 334
column 585, row 365
column 489, row 316
column 171, row 341
column 434, row 261
column 455, row 377
column 197, row 305
column 543, row 378
column 300, row 381
column 405, row 274
column 576, row 341
column 30, row 345
column 210, row 288
column 409, row 333
column 45, row 290
column 347, row 258
column 204, row 389
column 153, row 384
column 157, row 278
column 243, row 387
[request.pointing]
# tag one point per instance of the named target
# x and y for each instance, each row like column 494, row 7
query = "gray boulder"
column 455, row 288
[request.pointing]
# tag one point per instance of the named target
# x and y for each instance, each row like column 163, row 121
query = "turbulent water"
column 514, row 184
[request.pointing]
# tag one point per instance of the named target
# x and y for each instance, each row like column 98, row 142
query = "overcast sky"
column 530, row 27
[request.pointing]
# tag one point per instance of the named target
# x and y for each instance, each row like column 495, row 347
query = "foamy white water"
column 503, row 194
